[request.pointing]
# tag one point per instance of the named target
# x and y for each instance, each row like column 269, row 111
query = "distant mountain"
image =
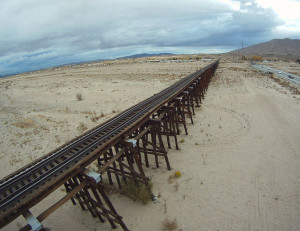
column 279, row 47
column 3, row 76
column 143, row 55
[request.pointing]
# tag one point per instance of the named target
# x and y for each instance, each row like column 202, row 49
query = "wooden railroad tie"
column 123, row 158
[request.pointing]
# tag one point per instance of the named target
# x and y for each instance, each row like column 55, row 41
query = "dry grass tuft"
column 176, row 175
column 95, row 118
column 169, row 224
column 87, row 112
column 26, row 124
column 237, row 69
column 67, row 110
column 82, row 127
column 79, row 96
column 57, row 139
column 176, row 186
column 286, row 84
column 165, row 206
column 170, row 179
column 108, row 188
column 14, row 160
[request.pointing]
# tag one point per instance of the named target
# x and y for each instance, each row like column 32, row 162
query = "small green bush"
column 177, row 174
column 137, row 191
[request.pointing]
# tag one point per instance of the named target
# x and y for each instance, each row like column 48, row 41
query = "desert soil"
column 239, row 163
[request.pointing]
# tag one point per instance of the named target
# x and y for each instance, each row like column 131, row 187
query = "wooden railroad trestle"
column 124, row 161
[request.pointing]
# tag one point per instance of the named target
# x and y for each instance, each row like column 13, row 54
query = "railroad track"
column 18, row 190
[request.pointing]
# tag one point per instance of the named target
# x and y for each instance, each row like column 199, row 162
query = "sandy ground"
column 239, row 163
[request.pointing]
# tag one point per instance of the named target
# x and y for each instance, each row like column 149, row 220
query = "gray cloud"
column 36, row 34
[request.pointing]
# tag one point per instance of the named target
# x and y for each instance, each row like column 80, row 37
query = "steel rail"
column 73, row 144
column 83, row 138
column 81, row 153
column 130, row 115
column 4, row 185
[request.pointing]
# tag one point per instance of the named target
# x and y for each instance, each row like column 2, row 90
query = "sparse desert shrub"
column 287, row 85
column 79, row 96
column 169, row 224
column 177, row 174
column 87, row 112
column 165, row 206
column 256, row 58
column 237, row 69
column 57, row 139
column 82, row 127
column 95, row 118
column 170, row 179
column 108, row 188
column 67, row 110
column 26, row 124
column 176, row 187
column 137, row 191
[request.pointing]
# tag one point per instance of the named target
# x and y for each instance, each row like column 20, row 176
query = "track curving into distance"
column 20, row 183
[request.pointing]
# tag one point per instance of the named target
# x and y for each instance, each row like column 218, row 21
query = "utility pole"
column 243, row 57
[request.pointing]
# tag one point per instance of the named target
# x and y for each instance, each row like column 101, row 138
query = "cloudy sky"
column 37, row 34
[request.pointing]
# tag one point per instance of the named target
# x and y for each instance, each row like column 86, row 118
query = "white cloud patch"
column 36, row 34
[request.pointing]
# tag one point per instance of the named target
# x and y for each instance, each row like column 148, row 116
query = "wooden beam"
column 58, row 204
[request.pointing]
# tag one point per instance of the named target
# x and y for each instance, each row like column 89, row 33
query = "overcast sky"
column 37, row 34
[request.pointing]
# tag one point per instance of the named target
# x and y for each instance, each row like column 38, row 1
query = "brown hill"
column 275, row 47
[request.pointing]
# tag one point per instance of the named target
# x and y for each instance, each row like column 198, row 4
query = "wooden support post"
column 192, row 97
column 154, row 142
column 199, row 90
column 93, row 196
column 132, row 155
column 169, row 121
column 186, row 106
column 196, row 93
column 202, row 88
column 124, row 162
column 180, row 115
